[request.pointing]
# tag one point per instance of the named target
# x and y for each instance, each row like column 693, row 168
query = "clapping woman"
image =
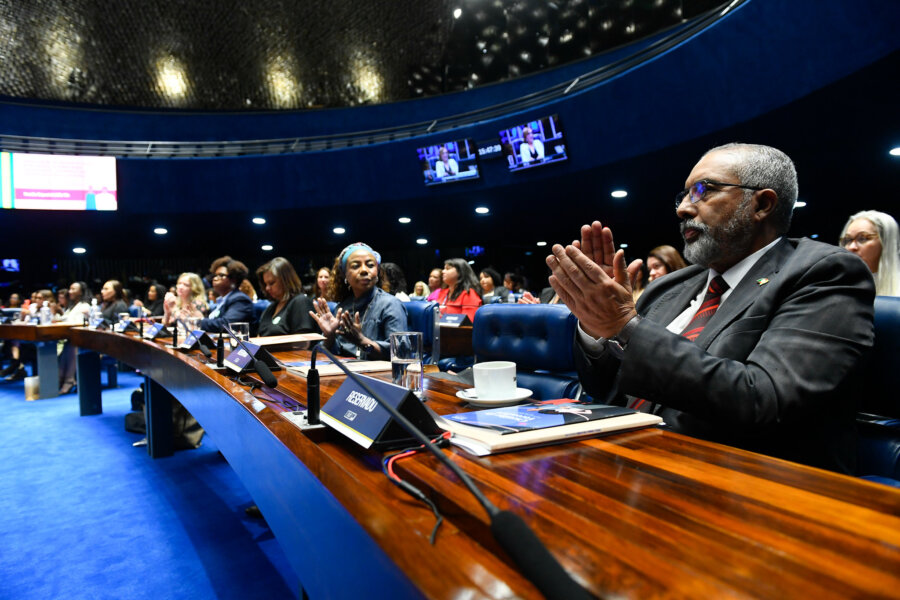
column 189, row 299
column 366, row 315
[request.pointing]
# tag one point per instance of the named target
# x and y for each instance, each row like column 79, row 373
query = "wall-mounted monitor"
column 532, row 144
column 449, row 162
column 57, row 182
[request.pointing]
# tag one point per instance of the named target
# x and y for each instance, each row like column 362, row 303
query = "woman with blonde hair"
column 873, row 236
column 189, row 299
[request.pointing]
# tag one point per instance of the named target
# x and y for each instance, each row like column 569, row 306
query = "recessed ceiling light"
column 160, row 231
column 421, row 241
column 542, row 243
column 404, row 220
column 471, row 262
column 618, row 193
column 799, row 204
column 266, row 247
column 259, row 221
column 814, row 236
column 78, row 250
column 457, row 13
column 895, row 151
column 482, row 210
column 623, row 245
column 339, row 230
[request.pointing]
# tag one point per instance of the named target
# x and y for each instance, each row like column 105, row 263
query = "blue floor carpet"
column 83, row 514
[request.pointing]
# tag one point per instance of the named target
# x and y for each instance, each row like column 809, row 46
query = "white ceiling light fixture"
column 618, row 194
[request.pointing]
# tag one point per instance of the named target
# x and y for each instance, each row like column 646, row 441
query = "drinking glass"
column 406, row 360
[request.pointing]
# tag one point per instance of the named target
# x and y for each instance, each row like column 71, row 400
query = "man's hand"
column 593, row 281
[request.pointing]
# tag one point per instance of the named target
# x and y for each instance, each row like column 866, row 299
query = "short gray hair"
column 768, row 168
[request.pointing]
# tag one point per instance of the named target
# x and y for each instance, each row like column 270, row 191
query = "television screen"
column 57, row 182
column 533, row 144
column 449, row 162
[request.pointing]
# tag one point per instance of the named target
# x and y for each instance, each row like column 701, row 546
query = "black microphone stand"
column 535, row 562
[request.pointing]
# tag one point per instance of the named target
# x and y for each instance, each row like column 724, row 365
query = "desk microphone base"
column 299, row 420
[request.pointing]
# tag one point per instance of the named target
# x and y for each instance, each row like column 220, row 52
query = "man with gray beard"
column 756, row 345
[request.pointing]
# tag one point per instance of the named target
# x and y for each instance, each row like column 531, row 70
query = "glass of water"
column 406, row 360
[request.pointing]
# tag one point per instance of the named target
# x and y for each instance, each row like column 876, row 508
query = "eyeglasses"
column 218, row 275
column 697, row 191
column 859, row 238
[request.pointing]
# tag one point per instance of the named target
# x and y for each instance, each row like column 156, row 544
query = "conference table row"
column 640, row 514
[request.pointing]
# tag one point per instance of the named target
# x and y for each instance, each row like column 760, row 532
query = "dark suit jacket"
column 236, row 308
column 774, row 371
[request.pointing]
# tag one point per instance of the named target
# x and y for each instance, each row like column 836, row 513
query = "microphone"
column 220, row 351
column 312, row 390
column 261, row 368
column 535, row 562
column 200, row 344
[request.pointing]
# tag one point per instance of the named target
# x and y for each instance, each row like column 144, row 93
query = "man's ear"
column 765, row 202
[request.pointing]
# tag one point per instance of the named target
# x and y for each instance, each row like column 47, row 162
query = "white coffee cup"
column 495, row 380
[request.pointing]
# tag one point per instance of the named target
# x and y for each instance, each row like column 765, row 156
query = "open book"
column 494, row 430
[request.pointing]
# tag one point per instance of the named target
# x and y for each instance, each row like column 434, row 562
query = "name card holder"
column 155, row 331
column 359, row 416
column 454, row 320
column 121, row 327
column 194, row 339
column 238, row 360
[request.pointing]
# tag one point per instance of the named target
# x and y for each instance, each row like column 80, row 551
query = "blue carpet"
column 86, row 515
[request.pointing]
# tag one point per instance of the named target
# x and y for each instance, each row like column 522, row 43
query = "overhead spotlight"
column 618, row 194
column 471, row 262
column 814, row 236
column 78, row 250
column 259, row 221
column 421, row 241
column 266, row 247
column 482, row 210
column 542, row 244
column 623, row 245
column 339, row 230
column 799, row 204
column 404, row 220
column 457, row 13
column 160, row 231
column 895, row 151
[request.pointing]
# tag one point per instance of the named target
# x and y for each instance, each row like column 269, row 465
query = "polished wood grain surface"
column 34, row 333
column 633, row 515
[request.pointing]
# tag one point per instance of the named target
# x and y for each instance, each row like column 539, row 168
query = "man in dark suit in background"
column 757, row 345
column 235, row 306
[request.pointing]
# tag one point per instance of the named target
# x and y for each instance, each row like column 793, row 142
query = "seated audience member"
column 873, row 236
column 154, row 304
column 662, row 260
column 756, row 345
column 188, row 301
column 435, row 283
column 76, row 312
column 420, row 291
column 248, row 289
column 366, row 315
column 547, row 296
column 462, row 296
column 530, row 149
column 492, row 286
column 62, row 300
column 15, row 301
column 16, row 370
column 514, row 282
column 445, row 165
column 235, row 306
column 113, row 301
column 323, row 283
column 288, row 311
column 395, row 281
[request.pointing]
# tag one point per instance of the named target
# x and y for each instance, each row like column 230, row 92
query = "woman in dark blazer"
column 290, row 307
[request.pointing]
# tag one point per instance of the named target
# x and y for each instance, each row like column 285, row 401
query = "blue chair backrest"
column 421, row 316
column 538, row 338
column 259, row 307
column 882, row 377
column 331, row 306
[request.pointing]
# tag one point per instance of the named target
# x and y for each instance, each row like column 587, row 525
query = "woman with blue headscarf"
column 366, row 315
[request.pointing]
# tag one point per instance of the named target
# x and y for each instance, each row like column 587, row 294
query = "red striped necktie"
column 711, row 302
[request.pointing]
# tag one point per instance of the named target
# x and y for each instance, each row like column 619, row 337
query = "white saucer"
column 469, row 396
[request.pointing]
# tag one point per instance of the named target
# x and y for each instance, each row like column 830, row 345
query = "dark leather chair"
column 423, row 317
column 879, row 421
column 538, row 338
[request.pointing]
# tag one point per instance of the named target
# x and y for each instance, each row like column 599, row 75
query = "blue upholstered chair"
column 259, row 307
column 538, row 338
column 423, row 317
column 134, row 311
column 879, row 421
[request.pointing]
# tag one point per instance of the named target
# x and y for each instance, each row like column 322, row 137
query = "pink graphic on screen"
column 58, row 182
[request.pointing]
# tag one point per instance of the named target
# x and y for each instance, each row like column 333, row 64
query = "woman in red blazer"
column 462, row 294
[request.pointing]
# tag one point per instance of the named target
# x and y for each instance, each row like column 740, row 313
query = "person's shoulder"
column 300, row 301
column 239, row 297
column 809, row 251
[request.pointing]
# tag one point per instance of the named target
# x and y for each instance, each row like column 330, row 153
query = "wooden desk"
column 456, row 341
column 635, row 515
column 44, row 338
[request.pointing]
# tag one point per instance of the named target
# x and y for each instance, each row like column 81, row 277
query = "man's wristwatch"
column 617, row 343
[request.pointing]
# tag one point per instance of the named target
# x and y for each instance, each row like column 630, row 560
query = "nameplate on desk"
column 156, row 330
column 454, row 320
column 240, row 359
column 122, row 327
column 194, row 339
column 360, row 417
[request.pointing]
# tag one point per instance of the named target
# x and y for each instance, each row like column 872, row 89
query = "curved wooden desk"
column 44, row 338
column 635, row 515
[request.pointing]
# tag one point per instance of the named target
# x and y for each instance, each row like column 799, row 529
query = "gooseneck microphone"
column 200, row 344
column 220, row 351
column 535, row 562
column 261, row 368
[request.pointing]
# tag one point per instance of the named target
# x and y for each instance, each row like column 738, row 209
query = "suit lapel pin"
column 762, row 281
